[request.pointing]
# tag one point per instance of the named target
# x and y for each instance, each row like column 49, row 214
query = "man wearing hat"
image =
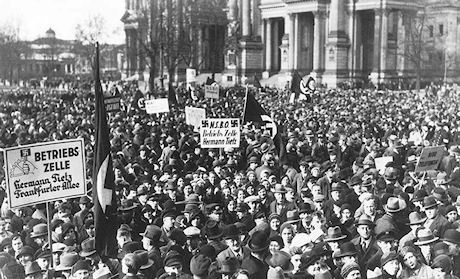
column 437, row 223
column 388, row 222
column 81, row 270
column 301, row 178
column 39, row 235
column 386, row 243
column 214, row 233
column 415, row 222
column 193, row 239
column 151, row 242
column 452, row 239
column 256, row 264
column 235, row 248
column 168, row 217
column 365, row 242
column 173, row 265
column 280, row 205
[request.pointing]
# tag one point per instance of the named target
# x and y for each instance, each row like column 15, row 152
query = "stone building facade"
column 339, row 40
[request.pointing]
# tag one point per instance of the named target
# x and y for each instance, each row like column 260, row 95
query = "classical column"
column 291, row 40
column 246, row 20
column 275, row 51
column 384, row 42
column 319, row 41
column 268, row 45
column 296, row 41
column 376, row 46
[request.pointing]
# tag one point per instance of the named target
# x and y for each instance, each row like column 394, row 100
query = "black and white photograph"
column 229, row 139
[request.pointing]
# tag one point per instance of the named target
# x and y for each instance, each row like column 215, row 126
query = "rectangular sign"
column 211, row 92
column 156, row 106
column 381, row 162
column 112, row 104
column 220, row 132
column 193, row 116
column 190, row 75
column 430, row 158
column 44, row 172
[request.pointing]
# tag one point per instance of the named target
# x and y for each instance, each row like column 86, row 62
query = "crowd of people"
column 319, row 207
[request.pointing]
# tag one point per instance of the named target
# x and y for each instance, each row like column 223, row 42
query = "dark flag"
column 257, row 83
column 105, row 207
column 254, row 112
column 299, row 86
column 209, row 81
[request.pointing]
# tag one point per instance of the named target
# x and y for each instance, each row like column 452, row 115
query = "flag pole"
column 245, row 103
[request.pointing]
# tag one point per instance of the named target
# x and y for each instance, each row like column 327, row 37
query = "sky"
column 34, row 17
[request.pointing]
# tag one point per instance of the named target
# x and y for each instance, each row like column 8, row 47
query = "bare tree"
column 11, row 49
column 419, row 45
column 87, row 33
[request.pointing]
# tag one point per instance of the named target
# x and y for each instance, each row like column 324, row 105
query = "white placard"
column 211, row 91
column 220, row 132
column 381, row 162
column 193, row 116
column 156, row 106
column 190, row 75
column 44, row 172
column 430, row 158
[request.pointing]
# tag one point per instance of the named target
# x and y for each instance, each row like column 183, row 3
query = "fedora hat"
column 67, row 260
column 419, row 195
column 152, row 232
column 191, row 199
column 440, row 194
column 88, row 247
column 395, row 205
column 32, row 268
column 334, row 234
column 292, row 216
column 84, row 200
column 347, row 249
column 212, row 230
column 279, row 189
column 230, row 231
column 365, row 220
column 452, row 235
column 26, row 250
column 416, row 219
column 390, row 173
column 425, row 236
column 429, row 202
column 126, row 205
column 228, row 266
column 144, row 260
column 259, row 241
column 281, row 259
column 191, row 207
column 39, row 230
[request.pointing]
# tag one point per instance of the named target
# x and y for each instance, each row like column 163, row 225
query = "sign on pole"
column 220, row 132
column 193, row 116
column 112, row 103
column 211, row 91
column 430, row 158
column 157, row 105
column 190, row 78
column 381, row 162
column 44, row 172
